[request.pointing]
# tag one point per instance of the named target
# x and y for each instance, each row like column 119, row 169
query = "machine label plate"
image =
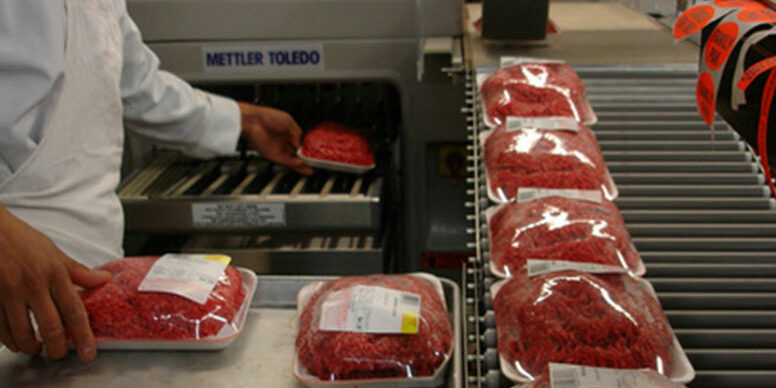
column 238, row 214
column 305, row 57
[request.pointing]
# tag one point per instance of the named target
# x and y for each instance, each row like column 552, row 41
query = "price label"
column 371, row 309
column 539, row 267
column 190, row 276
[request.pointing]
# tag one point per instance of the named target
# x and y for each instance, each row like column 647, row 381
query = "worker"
column 73, row 75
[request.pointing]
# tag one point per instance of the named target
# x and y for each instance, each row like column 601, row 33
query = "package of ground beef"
column 546, row 158
column 565, row 226
column 602, row 320
column 578, row 376
column 337, row 147
column 363, row 346
column 530, row 87
column 120, row 311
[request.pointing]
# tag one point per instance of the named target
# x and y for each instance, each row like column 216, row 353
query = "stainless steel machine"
column 379, row 68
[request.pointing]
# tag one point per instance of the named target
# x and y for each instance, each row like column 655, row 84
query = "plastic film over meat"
column 573, row 317
column 347, row 355
column 559, row 228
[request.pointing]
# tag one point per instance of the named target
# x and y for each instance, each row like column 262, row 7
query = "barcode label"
column 564, row 378
column 371, row 309
column 578, row 376
column 410, row 300
column 507, row 61
column 537, row 267
column 554, row 123
column 527, row 194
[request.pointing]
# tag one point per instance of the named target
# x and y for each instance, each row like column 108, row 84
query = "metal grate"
column 699, row 214
column 160, row 197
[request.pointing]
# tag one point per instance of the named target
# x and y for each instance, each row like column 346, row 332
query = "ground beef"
column 331, row 355
column 546, row 159
column 338, row 143
column 557, row 228
column 117, row 311
column 577, row 318
column 534, row 90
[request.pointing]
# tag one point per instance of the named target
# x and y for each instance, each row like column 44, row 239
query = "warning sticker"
column 238, row 214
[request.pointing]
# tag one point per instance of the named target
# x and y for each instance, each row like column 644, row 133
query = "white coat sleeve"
column 163, row 108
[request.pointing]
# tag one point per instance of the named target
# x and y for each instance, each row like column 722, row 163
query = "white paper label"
column 370, row 309
column 528, row 194
column 190, row 276
column 304, row 57
column 538, row 267
column 577, row 376
column 238, row 214
column 553, row 123
column 512, row 61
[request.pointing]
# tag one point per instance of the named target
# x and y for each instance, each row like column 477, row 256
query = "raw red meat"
column 331, row 355
column 546, row 159
column 557, row 228
column 572, row 317
column 117, row 311
column 338, row 143
column 535, row 90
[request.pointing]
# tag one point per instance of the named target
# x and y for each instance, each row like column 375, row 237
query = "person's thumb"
column 85, row 277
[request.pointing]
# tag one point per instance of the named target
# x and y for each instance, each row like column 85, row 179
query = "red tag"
column 759, row 14
column 693, row 20
column 754, row 71
column 735, row 3
column 720, row 44
column 762, row 128
column 706, row 97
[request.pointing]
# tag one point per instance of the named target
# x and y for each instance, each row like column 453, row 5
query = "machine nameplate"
column 307, row 57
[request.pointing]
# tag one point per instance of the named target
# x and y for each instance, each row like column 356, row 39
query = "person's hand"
column 274, row 134
column 36, row 275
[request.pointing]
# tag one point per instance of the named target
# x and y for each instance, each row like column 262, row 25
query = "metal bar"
column 702, row 230
column 687, row 178
column 693, row 190
column 694, row 203
column 696, row 216
column 744, row 167
column 676, row 146
column 686, row 156
column 704, row 244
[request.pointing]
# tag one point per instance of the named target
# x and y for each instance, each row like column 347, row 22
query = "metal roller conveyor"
column 699, row 214
column 177, row 194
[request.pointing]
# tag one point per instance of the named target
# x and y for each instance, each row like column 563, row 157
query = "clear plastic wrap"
column 333, row 142
column 346, row 355
column 118, row 311
column 559, row 228
column 572, row 317
column 534, row 88
column 560, row 159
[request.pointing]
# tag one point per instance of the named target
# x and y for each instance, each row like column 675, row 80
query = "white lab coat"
column 60, row 156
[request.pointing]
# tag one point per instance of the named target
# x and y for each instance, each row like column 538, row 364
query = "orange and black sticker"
column 706, row 97
column 693, row 20
column 720, row 44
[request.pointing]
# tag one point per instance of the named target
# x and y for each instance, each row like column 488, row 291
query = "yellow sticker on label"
column 409, row 323
column 224, row 259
